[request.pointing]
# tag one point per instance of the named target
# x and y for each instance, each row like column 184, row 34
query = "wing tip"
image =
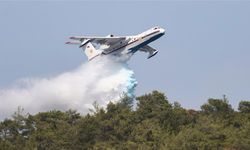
column 153, row 54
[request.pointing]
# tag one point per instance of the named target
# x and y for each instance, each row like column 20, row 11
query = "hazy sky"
column 204, row 53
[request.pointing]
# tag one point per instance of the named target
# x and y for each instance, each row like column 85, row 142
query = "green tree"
column 152, row 105
column 154, row 124
column 244, row 106
column 217, row 106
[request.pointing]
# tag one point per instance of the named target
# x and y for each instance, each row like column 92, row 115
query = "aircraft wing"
column 149, row 50
column 98, row 40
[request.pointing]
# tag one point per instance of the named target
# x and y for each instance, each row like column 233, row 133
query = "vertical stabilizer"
column 91, row 52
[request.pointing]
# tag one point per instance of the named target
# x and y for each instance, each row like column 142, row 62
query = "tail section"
column 91, row 52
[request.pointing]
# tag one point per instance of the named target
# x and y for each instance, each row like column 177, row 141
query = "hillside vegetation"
column 154, row 124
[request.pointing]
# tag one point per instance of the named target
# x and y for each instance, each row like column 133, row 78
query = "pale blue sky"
column 205, row 52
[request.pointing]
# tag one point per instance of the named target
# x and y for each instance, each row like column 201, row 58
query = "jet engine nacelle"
column 110, row 35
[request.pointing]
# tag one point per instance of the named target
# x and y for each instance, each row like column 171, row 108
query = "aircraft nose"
column 162, row 31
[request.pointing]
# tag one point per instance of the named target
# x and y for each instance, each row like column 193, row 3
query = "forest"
column 154, row 123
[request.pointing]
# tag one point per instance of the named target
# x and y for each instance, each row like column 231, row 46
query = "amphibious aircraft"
column 95, row 46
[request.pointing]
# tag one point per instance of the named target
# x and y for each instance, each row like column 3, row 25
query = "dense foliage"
column 154, row 124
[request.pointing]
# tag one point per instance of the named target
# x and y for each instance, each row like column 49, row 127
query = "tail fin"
column 91, row 52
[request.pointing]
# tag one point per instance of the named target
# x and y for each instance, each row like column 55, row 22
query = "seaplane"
column 95, row 46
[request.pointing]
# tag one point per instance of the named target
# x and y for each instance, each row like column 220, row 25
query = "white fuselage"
column 132, row 43
column 95, row 46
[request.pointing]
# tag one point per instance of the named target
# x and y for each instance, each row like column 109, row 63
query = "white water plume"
column 101, row 80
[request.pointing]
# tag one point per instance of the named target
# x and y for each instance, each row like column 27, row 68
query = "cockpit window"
column 155, row 28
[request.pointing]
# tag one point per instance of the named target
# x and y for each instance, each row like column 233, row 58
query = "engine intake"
column 110, row 35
